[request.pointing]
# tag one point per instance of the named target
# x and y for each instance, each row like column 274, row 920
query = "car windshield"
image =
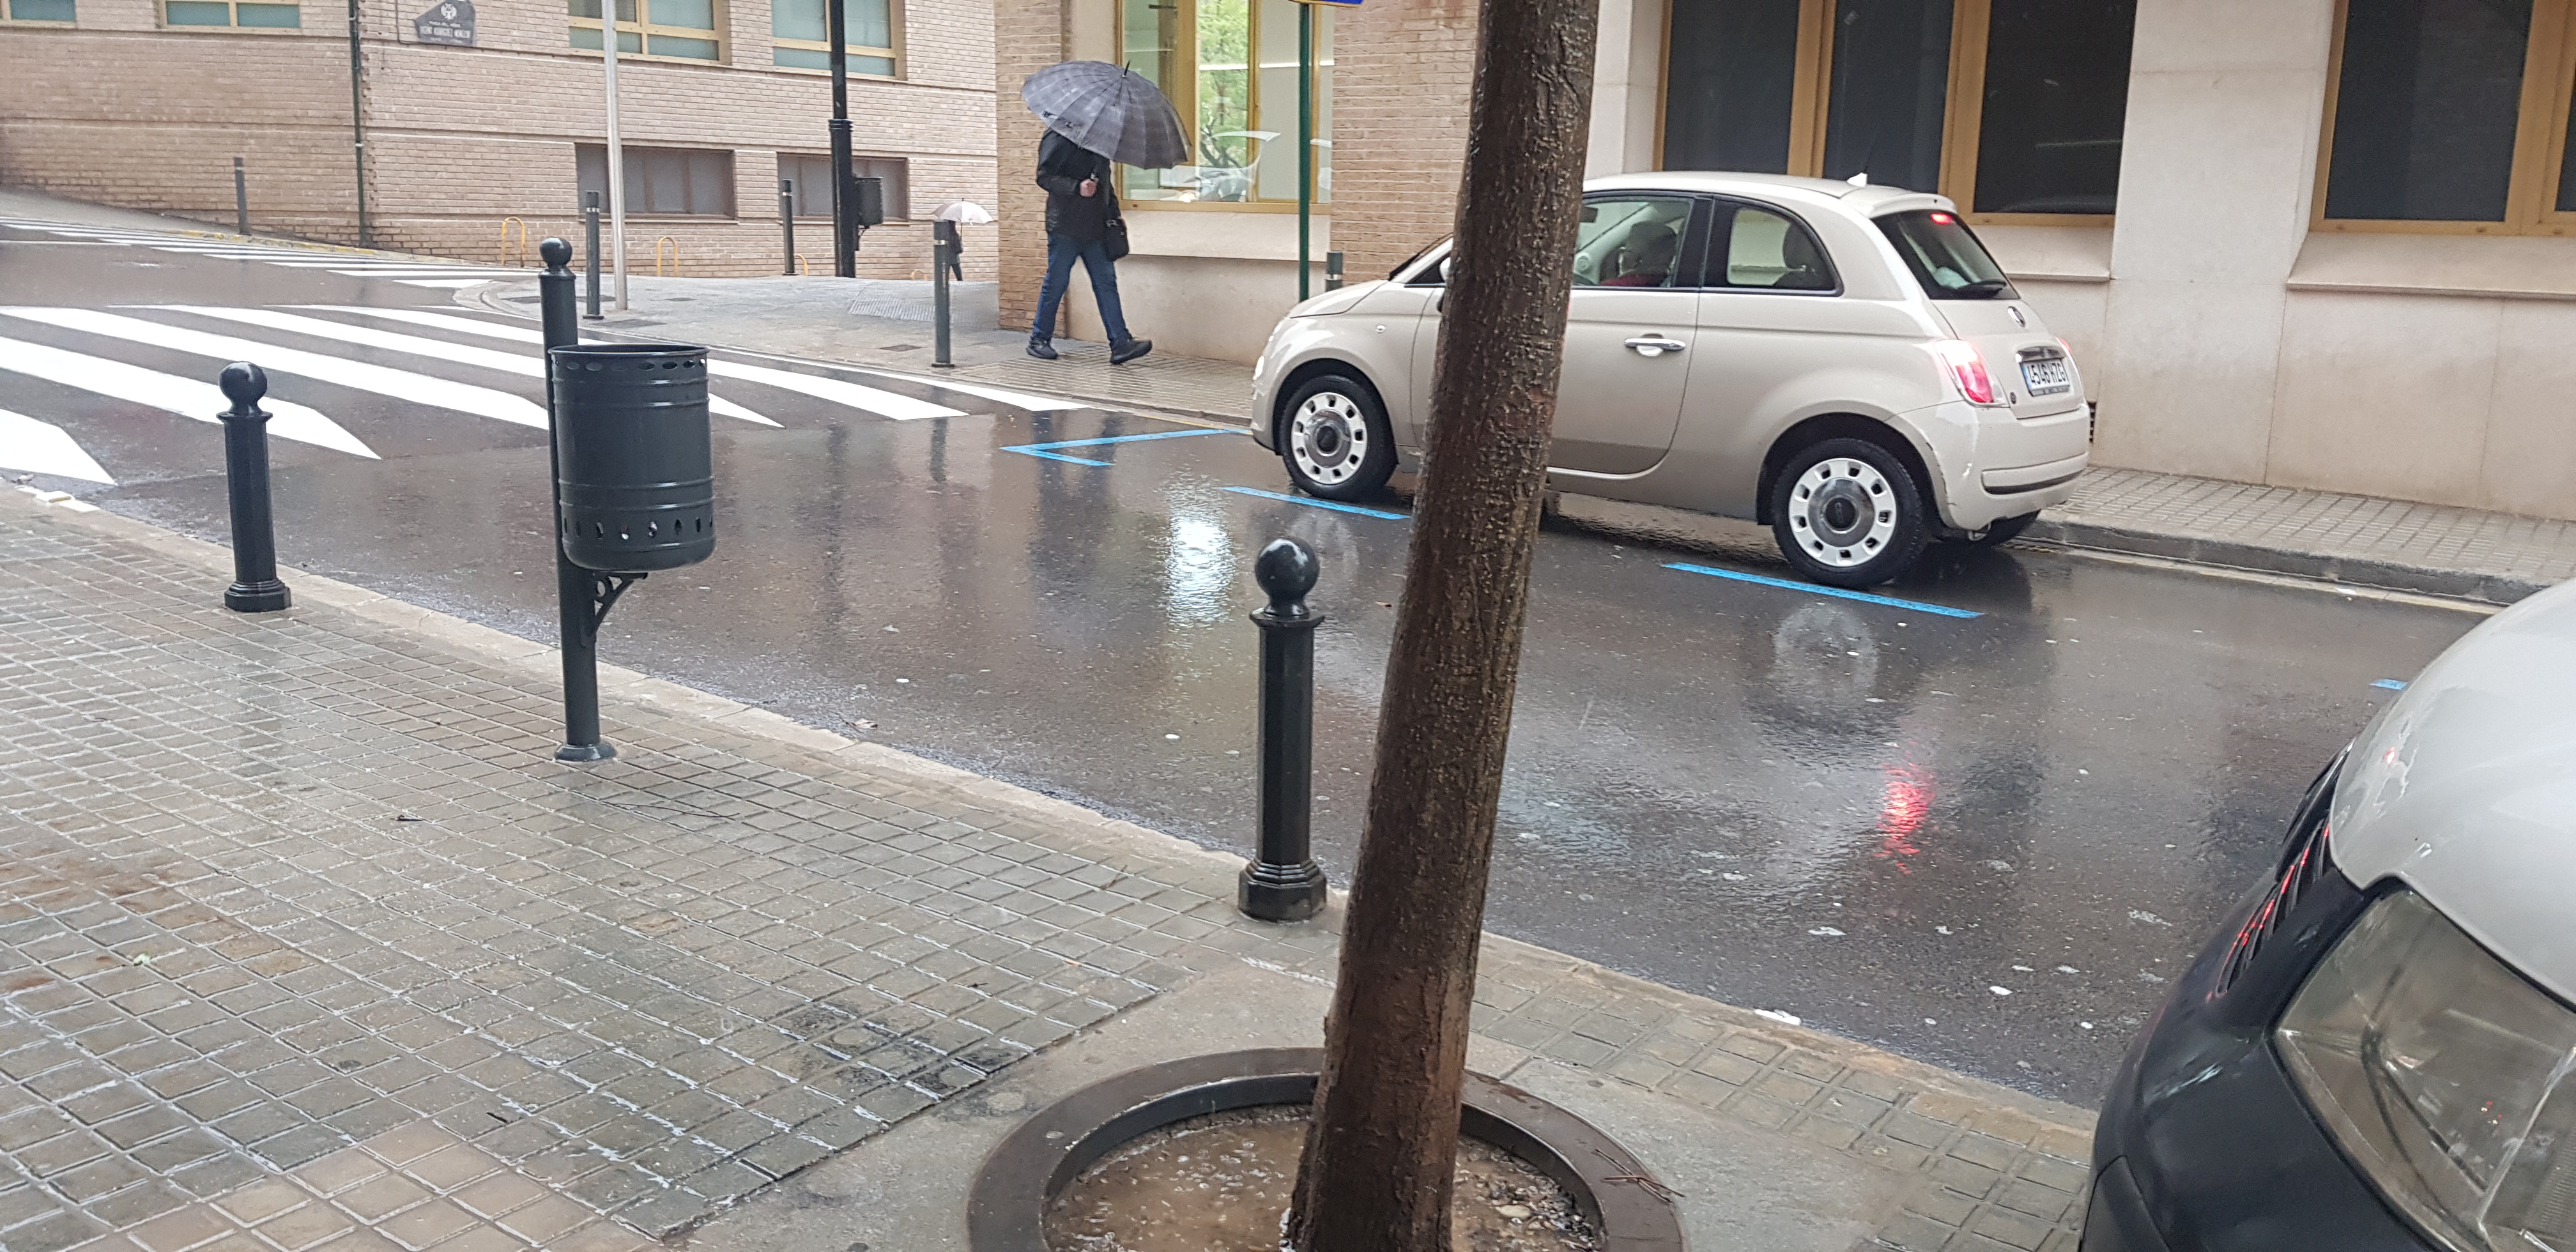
column 1408, row 263
column 1945, row 258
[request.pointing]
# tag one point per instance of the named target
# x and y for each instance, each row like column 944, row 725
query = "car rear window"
column 1945, row 258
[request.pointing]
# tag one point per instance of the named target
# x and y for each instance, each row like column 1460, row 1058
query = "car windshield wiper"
column 1986, row 290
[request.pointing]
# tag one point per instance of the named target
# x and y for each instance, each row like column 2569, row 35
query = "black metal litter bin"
column 632, row 456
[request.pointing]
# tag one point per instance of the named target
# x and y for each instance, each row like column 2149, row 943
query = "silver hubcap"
column 1842, row 511
column 1329, row 437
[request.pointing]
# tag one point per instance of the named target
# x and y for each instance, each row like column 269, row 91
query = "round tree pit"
column 1102, row 1169
column 1222, row 1183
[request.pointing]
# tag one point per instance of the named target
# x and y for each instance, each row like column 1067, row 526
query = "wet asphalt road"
column 1984, row 842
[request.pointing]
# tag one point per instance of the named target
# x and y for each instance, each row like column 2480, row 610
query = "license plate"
column 2046, row 378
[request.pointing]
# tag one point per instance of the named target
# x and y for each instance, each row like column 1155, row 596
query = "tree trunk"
column 1383, row 1144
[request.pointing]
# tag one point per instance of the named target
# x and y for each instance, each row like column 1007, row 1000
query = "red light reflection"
column 1908, row 801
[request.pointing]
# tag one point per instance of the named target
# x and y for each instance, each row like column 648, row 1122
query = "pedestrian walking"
column 1095, row 113
column 1082, row 222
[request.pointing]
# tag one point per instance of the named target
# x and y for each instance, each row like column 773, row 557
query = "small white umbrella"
column 964, row 213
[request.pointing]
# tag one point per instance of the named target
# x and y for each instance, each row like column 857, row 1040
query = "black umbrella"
column 1115, row 112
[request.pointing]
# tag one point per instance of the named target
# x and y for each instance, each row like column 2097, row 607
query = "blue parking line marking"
column 2389, row 684
column 1938, row 610
column 1321, row 504
column 1041, row 449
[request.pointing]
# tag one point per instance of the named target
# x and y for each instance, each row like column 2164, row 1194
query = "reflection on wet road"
column 1982, row 840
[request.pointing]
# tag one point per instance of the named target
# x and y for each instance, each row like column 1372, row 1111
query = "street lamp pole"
column 1305, row 145
column 845, row 228
column 358, row 125
column 616, row 153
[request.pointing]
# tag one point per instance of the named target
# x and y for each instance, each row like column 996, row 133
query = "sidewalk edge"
column 2322, row 566
column 475, row 297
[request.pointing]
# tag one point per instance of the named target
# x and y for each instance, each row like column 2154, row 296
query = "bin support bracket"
column 604, row 590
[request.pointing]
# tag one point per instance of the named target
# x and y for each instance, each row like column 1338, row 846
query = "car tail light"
column 1966, row 369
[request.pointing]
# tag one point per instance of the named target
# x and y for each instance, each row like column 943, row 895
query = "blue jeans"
column 1061, row 252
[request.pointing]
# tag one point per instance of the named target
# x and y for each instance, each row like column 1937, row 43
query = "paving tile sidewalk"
column 307, row 942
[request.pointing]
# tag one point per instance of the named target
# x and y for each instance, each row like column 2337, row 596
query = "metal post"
column 255, row 587
column 241, row 200
column 1283, row 884
column 1332, row 271
column 590, row 252
column 845, row 227
column 616, row 152
column 1305, row 144
column 576, row 589
column 787, row 220
column 943, row 254
column 358, row 126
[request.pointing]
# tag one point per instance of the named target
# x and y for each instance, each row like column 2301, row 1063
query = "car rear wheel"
column 1336, row 441
column 1847, row 513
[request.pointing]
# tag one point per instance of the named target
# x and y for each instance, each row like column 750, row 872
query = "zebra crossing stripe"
column 44, row 448
column 870, row 399
column 400, row 384
column 370, row 337
column 186, row 397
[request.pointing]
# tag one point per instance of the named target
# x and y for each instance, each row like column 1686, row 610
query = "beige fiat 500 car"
column 1844, row 364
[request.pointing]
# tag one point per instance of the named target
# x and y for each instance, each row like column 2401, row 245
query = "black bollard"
column 1284, row 884
column 576, row 589
column 943, row 257
column 241, row 200
column 255, row 587
column 590, row 230
column 787, row 222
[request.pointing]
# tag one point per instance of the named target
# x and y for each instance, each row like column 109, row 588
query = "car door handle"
column 1655, row 345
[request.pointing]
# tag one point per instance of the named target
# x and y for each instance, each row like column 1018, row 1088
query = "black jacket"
column 1062, row 165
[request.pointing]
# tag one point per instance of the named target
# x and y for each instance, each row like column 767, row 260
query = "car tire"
column 1848, row 513
column 2003, row 530
column 1335, row 439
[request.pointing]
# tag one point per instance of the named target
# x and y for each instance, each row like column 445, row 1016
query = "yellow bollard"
column 657, row 256
column 508, row 245
column 802, row 269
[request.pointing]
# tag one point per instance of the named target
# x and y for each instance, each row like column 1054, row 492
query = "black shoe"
column 1042, row 349
column 1120, row 354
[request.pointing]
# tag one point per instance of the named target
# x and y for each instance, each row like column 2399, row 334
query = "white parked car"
column 1845, row 364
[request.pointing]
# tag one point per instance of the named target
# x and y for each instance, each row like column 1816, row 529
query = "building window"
column 661, row 182
column 688, row 30
column 40, row 11
column 813, row 178
column 2013, row 108
column 2451, row 115
column 240, row 14
column 1230, row 67
column 804, row 40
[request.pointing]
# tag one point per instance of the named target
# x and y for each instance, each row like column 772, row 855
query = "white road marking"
column 44, row 448
column 1019, row 399
column 399, row 384
column 451, row 284
column 186, row 397
column 440, row 321
column 370, row 337
column 870, row 399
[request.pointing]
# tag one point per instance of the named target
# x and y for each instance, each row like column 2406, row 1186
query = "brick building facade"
column 134, row 103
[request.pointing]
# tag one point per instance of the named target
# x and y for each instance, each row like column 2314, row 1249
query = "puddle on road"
column 1221, row 1183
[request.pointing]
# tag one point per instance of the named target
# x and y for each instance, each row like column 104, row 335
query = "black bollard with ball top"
column 1283, row 884
column 255, row 586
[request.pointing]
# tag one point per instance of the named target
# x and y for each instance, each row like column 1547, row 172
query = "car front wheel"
column 1336, row 441
column 1847, row 513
